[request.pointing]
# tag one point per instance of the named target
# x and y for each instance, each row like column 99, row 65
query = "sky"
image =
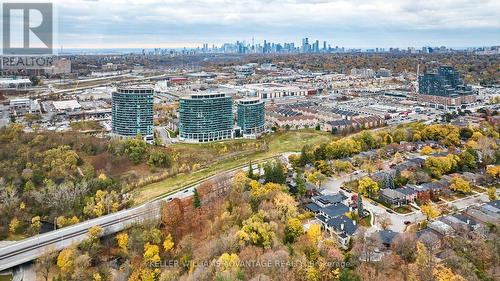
column 352, row 24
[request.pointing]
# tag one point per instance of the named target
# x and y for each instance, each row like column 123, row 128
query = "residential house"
column 343, row 227
column 324, row 201
column 330, row 212
column 441, row 227
column 386, row 237
column 463, row 224
column 398, row 197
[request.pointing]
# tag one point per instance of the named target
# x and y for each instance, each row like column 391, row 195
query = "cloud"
column 199, row 21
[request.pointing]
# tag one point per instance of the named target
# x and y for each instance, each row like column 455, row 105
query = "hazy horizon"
column 112, row 24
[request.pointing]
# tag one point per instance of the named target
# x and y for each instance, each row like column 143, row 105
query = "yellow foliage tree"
column 367, row 186
column 258, row 231
column 14, row 225
column 36, row 224
column 493, row 171
column 168, row 244
column 476, row 136
column 442, row 273
column 314, row 233
column 316, row 177
column 429, row 211
column 492, row 193
column 426, row 150
column 459, row 184
column 65, row 260
column 122, row 240
column 95, row 232
column 62, row 221
column 228, row 262
column 286, row 206
column 312, row 274
column 151, row 254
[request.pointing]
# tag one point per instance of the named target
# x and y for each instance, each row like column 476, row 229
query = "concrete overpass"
column 20, row 252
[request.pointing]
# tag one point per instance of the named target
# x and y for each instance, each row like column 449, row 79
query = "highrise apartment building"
column 251, row 117
column 205, row 117
column 445, row 89
column 132, row 112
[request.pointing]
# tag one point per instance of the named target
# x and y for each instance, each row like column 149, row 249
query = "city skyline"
column 351, row 24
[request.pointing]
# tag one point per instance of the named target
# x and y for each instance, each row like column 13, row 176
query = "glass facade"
column 133, row 112
column 205, row 117
column 251, row 116
column 445, row 82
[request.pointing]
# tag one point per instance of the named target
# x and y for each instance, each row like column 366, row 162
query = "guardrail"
column 12, row 255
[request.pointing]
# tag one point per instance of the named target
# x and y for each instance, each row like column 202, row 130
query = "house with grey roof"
column 398, row 197
column 330, row 212
column 343, row 227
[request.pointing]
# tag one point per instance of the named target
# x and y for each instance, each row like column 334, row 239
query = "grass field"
column 283, row 141
column 5, row 277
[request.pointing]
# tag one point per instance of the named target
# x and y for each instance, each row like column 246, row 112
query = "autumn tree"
column 228, row 267
column 367, row 186
column 424, row 261
column 301, row 184
column 135, row 149
column 293, row 230
column 342, row 166
column 426, row 150
column 168, row 243
column 429, row 211
column 158, row 158
column 314, row 233
column 316, row 177
column 384, row 221
column 459, row 184
column 81, row 267
column 285, row 205
column 258, row 230
column 151, row 254
column 240, row 180
column 65, row 260
column 492, row 193
column 368, row 167
column 122, row 241
column 36, row 224
column 14, row 226
column 173, row 216
column 44, row 263
column 438, row 166
column 442, row 273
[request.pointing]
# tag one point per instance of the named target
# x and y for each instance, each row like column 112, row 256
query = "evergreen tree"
column 196, row 199
column 301, row 184
column 360, row 206
column 399, row 180
column 274, row 172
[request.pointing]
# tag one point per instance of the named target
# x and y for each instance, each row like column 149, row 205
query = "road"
column 17, row 253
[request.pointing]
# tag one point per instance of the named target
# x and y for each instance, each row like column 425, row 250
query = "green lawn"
column 279, row 142
column 403, row 209
column 366, row 221
column 5, row 277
